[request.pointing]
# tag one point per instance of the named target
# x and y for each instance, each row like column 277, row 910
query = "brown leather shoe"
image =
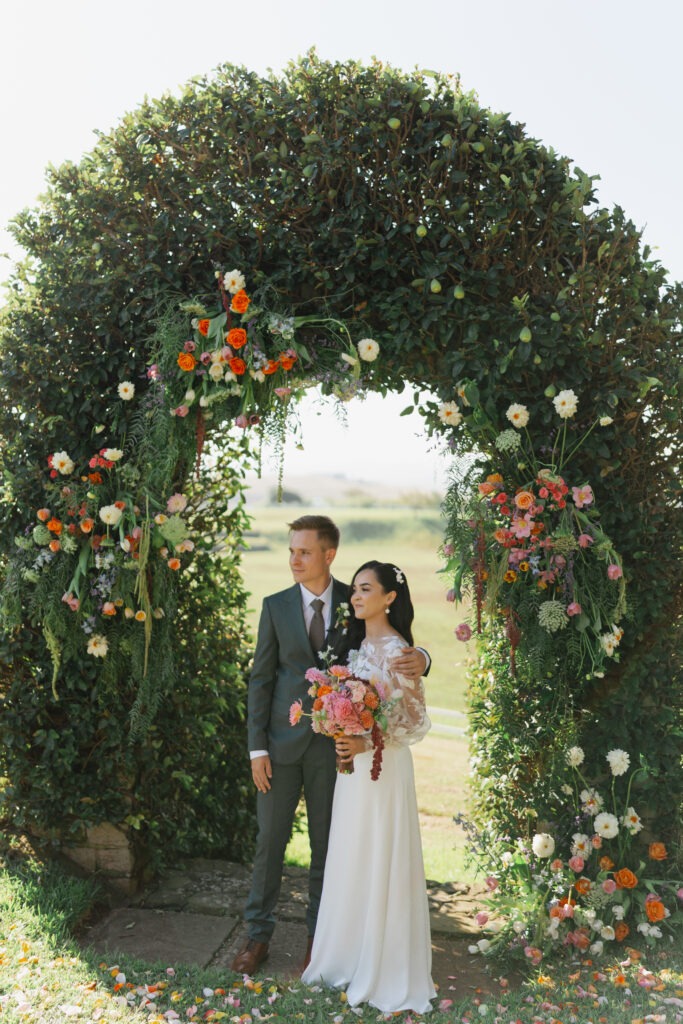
column 307, row 957
column 249, row 957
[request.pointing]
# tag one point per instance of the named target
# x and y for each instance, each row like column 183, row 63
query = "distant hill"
column 334, row 489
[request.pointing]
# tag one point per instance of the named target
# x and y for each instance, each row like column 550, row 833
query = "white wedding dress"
column 372, row 937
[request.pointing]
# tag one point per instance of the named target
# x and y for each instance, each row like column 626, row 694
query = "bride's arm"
column 407, row 720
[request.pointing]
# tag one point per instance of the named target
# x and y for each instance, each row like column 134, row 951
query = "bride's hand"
column 348, row 746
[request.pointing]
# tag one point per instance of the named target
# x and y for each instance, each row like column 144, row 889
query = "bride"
column 372, row 936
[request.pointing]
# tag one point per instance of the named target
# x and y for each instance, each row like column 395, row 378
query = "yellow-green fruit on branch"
column 435, row 286
column 525, row 334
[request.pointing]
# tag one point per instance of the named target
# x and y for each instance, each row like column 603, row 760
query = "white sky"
column 598, row 80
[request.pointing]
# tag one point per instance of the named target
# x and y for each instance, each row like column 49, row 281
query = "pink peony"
column 574, row 608
column 614, row 571
column 463, row 632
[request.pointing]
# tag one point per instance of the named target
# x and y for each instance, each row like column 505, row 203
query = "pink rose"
column 609, row 886
column 574, row 608
column 614, row 571
column 180, row 410
column 463, row 632
column 576, row 863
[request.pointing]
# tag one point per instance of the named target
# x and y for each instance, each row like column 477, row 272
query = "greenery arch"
column 383, row 205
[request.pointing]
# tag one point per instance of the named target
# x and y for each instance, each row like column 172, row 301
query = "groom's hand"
column 411, row 663
column 262, row 773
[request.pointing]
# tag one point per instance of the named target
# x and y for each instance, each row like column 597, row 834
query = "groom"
column 295, row 625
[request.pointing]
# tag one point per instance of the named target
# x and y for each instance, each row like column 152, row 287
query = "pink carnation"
column 342, row 714
column 176, row 503
column 314, row 675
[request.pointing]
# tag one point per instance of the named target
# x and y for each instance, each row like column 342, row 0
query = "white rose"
column 216, row 371
column 543, row 844
column 368, row 350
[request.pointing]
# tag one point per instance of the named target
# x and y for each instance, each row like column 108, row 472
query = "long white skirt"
column 372, row 937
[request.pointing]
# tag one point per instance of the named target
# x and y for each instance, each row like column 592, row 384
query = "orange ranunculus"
column 43, row 514
column 606, row 864
column 582, row 886
column 366, row 719
column 371, row 700
column 203, row 327
column 54, row 526
column 186, row 361
column 621, row 930
column 524, row 499
column 287, row 362
column 272, row 367
column 87, row 525
column 237, row 365
column 655, row 910
column 625, row 879
column 240, row 301
column 54, row 545
column 656, row 851
column 236, row 337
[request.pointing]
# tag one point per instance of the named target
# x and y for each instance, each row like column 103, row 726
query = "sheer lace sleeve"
column 407, row 719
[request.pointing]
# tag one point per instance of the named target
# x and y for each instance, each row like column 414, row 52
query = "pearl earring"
column 387, row 609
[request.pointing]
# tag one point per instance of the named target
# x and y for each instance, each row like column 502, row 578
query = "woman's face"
column 368, row 597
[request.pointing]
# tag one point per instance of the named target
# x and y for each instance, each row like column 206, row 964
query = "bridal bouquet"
column 344, row 705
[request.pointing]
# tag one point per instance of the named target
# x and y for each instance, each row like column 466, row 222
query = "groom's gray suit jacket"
column 283, row 654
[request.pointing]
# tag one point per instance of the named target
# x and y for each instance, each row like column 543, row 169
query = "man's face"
column 309, row 561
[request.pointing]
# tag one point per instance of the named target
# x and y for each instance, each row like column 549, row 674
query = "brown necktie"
column 316, row 630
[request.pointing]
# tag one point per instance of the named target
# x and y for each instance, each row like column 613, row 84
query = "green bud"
column 394, row 123
column 458, row 292
column 525, row 334
column 550, row 391
column 435, row 286
column 556, row 317
column 537, row 360
column 420, row 231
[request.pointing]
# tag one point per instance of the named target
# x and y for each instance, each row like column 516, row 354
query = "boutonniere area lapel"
column 341, row 621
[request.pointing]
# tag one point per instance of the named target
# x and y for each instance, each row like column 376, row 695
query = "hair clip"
column 400, row 578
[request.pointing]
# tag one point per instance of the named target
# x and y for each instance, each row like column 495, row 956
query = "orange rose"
column 272, row 367
column 54, row 545
column 240, row 301
column 236, row 338
column 625, row 879
column 186, row 361
column 237, row 365
column 486, row 488
column 43, row 514
column 524, row 499
column 87, row 525
column 655, row 910
column 174, row 563
column 621, row 930
column 606, row 864
column 582, row 886
column 54, row 526
column 203, row 327
column 287, row 362
column 656, row 851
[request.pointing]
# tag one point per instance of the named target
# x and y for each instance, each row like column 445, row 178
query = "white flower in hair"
column 400, row 578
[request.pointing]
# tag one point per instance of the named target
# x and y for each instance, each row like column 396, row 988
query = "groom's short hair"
column 328, row 532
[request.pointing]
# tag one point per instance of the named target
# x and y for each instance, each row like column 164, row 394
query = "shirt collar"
column 326, row 597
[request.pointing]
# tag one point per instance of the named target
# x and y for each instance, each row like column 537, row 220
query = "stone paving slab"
column 161, row 935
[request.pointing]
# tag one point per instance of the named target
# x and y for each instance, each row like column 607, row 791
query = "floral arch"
column 388, row 233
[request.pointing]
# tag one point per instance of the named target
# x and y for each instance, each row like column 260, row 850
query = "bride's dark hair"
column 401, row 612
